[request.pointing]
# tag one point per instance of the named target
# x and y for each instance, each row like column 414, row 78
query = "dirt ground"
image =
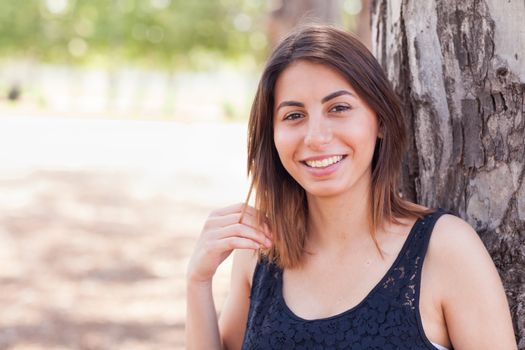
column 93, row 255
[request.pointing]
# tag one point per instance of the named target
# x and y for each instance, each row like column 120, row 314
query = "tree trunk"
column 363, row 24
column 459, row 68
column 287, row 14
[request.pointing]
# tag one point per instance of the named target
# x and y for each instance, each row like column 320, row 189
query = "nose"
column 319, row 133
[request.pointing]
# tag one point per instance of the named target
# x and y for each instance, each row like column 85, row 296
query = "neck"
column 339, row 223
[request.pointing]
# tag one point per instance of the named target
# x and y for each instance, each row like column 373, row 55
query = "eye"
column 340, row 108
column 292, row 116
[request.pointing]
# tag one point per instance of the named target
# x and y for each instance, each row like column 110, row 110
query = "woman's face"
column 324, row 133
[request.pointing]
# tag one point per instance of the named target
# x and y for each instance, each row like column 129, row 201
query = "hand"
column 222, row 233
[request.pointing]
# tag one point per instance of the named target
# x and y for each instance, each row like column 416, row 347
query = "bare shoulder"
column 234, row 314
column 472, row 296
column 458, row 253
column 453, row 237
column 245, row 261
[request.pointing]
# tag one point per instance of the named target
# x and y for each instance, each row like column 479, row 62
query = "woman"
column 332, row 257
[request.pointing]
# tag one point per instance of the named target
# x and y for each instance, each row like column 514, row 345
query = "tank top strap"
column 424, row 231
column 403, row 280
column 422, row 240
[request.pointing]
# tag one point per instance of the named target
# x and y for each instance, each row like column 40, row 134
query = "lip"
column 324, row 156
column 323, row 172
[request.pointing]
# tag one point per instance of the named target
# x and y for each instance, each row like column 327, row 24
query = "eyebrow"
column 323, row 100
column 336, row 94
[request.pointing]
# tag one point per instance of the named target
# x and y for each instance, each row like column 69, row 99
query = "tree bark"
column 363, row 24
column 459, row 68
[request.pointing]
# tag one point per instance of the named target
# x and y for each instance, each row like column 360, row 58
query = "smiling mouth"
column 323, row 163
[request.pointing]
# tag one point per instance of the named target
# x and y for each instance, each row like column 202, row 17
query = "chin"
column 325, row 191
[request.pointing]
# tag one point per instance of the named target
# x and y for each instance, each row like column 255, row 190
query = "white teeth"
column 324, row 162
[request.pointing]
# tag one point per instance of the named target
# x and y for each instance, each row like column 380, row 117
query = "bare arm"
column 202, row 331
column 234, row 314
column 222, row 233
column 475, row 306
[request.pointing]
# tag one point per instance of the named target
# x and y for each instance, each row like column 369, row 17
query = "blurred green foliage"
column 160, row 33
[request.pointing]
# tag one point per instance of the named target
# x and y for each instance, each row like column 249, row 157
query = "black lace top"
column 387, row 319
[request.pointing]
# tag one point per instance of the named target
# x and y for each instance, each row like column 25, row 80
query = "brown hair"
column 281, row 201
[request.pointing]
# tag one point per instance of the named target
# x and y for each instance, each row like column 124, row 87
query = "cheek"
column 285, row 146
column 282, row 143
column 362, row 138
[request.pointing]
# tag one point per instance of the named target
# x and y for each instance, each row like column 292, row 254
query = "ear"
column 380, row 133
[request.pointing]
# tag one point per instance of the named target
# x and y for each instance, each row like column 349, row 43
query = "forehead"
column 304, row 80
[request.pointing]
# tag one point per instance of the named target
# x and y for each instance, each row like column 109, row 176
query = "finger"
column 244, row 212
column 241, row 230
column 235, row 208
column 253, row 222
column 230, row 219
column 237, row 243
column 217, row 222
column 250, row 212
column 253, row 213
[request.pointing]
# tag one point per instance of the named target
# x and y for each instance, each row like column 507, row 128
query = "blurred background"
column 122, row 125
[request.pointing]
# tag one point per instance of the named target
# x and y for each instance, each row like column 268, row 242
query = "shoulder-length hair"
column 280, row 200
